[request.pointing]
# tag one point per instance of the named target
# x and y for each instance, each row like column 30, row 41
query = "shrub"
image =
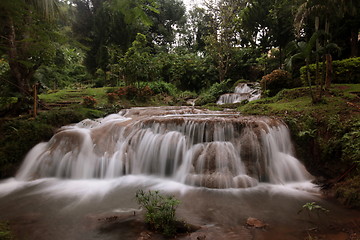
column 160, row 211
column 345, row 71
column 214, row 92
column 5, row 233
column 89, row 101
column 163, row 87
column 130, row 92
column 276, row 81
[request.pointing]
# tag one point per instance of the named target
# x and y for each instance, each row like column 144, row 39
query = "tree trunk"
column 354, row 42
column 329, row 71
column 15, row 67
column 309, row 80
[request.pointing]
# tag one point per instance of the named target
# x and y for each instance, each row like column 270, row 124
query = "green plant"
column 276, row 81
column 313, row 207
column 214, row 92
column 89, row 101
column 160, row 211
column 345, row 71
column 5, row 233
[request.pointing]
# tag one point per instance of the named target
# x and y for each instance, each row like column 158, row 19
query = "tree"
column 303, row 51
column 101, row 24
column 136, row 64
column 26, row 39
column 167, row 22
column 222, row 40
column 268, row 24
column 197, row 29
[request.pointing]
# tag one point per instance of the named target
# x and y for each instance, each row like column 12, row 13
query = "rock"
column 144, row 236
column 256, row 223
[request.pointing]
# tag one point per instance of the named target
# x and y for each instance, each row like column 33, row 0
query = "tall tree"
column 26, row 39
column 268, row 24
column 167, row 22
column 220, row 44
column 102, row 23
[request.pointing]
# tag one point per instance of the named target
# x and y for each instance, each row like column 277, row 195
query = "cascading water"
column 190, row 146
column 82, row 183
column 243, row 91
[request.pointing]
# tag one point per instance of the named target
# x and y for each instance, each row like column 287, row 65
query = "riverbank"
column 326, row 135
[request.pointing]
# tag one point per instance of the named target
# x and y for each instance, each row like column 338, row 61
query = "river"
column 223, row 167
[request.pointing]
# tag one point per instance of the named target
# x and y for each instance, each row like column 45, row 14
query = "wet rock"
column 144, row 236
column 256, row 223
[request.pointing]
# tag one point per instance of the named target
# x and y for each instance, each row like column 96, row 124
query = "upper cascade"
column 243, row 91
column 189, row 145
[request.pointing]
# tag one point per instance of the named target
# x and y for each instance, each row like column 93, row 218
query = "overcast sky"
column 190, row 3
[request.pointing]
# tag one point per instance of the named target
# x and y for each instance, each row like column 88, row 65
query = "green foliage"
column 136, row 64
column 347, row 192
column 345, row 71
column 313, row 207
column 350, row 143
column 160, row 211
column 186, row 71
column 5, row 233
column 213, row 93
column 65, row 69
column 89, row 101
column 276, row 81
column 161, row 87
column 20, row 135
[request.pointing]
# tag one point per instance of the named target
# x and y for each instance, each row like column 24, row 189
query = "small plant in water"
column 160, row 211
column 313, row 207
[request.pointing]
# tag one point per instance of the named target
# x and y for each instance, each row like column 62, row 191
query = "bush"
column 5, row 233
column 89, row 101
column 345, row 71
column 131, row 93
column 275, row 82
column 19, row 136
column 213, row 93
column 160, row 211
column 163, row 87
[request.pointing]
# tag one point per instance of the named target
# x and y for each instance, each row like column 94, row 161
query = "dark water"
column 104, row 209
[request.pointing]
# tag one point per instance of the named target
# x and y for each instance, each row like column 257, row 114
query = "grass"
column 292, row 101
column 76, row 95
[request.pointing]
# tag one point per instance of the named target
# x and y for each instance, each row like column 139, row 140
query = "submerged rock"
column 256, row 223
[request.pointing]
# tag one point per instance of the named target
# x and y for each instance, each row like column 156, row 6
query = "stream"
column 223, row 167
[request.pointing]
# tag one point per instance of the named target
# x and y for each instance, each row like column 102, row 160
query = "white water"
column 82, row 183
column 243, row 91
column 194, row 147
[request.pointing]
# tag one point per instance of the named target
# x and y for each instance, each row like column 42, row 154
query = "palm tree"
column 324, row 9
column 303, row 51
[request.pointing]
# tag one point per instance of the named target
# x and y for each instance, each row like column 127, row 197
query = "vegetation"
column 313, row 207
column 345, row 71
column 5, row 233
column 99, row 56
column 275, row 81
column 325, row 134
column 160, row 211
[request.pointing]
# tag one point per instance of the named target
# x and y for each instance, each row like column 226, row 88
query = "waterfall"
column 188, row 145
column 243, row 91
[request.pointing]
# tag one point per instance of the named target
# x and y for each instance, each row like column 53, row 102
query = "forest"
column 62, row 61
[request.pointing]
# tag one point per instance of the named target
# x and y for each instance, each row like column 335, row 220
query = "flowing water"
column 243, row 91
column 224, row 168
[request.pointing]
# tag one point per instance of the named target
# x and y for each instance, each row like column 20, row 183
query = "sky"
column 190, row 3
